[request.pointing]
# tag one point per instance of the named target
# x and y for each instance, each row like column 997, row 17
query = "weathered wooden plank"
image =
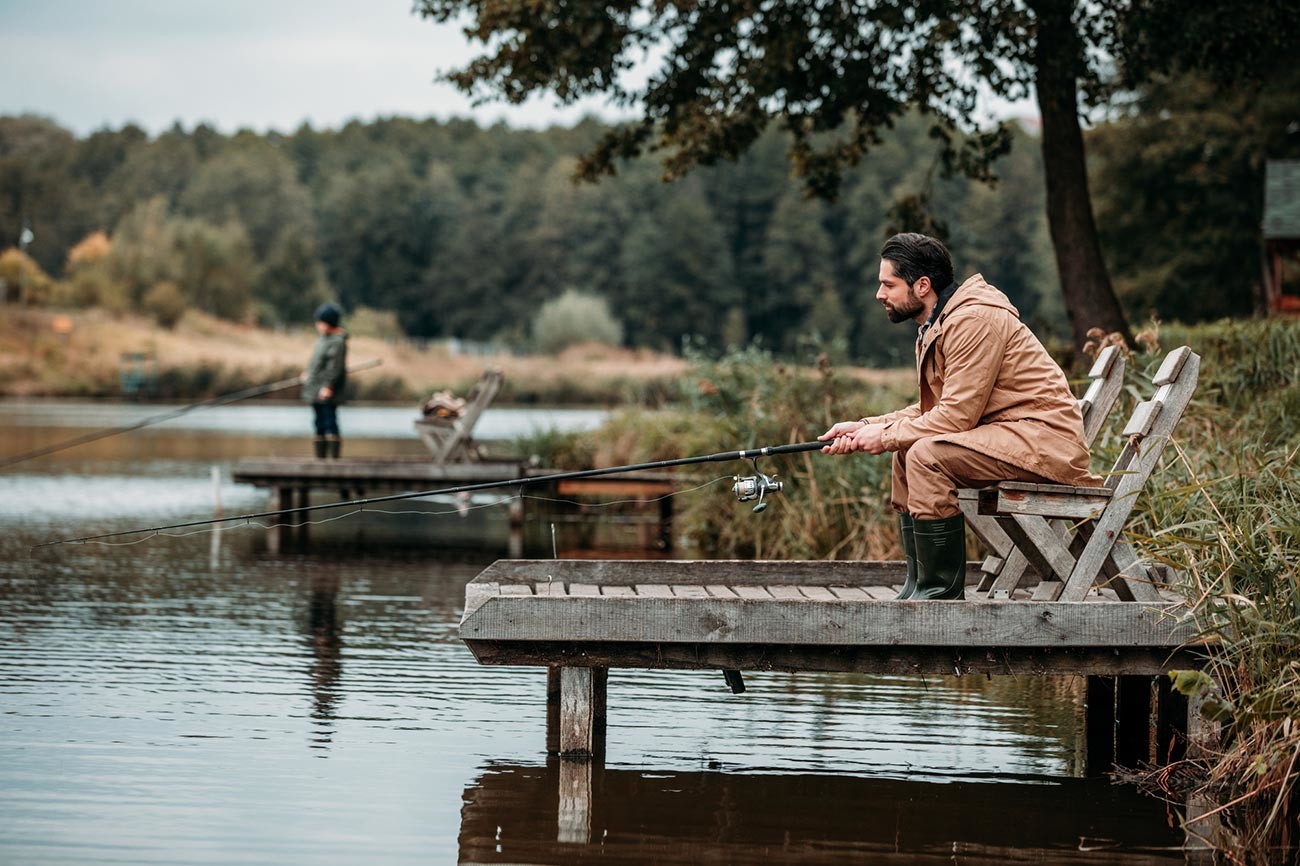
column 1129, row 577
column 1041, row 487
column 1066, row 502
column 1034, row 530
column 617, row 592
column 758, row 620
column 818, row 593
column 516, row 589
column 581, row 703
column 654, row 590
column 716, row 591
column 549, row 587
column 788, row 593
column 1046, row 590
column 416, row 474
column 849, row 593
column 691, row 572
column 752, row 593
column 587, row 589
column 881, row 593
column 1016, row 661
column 690, row 592
column 1172, row 366
column 1144, row 416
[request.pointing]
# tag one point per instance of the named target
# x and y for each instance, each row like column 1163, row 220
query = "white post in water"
column 214, row 553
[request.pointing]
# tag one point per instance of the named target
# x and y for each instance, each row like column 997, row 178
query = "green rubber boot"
column 909, row 553
column 319, row 445
column 333, row 446
column 940, row 558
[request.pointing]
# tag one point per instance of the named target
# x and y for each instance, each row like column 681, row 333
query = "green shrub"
column 22, row 280
column 575, row 318
column 165, row 303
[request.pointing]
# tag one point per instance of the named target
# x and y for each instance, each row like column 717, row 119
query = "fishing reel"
column 756, row 486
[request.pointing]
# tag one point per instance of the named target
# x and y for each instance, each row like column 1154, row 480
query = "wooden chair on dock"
column 1107, row 381
column 449, row 438
column 1074, row 535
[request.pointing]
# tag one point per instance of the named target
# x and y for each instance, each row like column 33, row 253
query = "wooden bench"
column 1106, row 381
column 1074, row 535
column 450, row 439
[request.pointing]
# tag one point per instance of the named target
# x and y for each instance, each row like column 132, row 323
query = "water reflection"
column 323, row 632
column 578, row 812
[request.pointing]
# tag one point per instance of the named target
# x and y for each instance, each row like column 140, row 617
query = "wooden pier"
column 581, row 618
column 292, row 480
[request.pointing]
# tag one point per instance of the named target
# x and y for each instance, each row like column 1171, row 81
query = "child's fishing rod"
column 220, row 400
column 747, row 489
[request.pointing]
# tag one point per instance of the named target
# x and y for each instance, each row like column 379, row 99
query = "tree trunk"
column 1089, row 299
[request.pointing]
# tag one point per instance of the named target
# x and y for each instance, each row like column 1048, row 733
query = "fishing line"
column 747, row 489
column 219, row 400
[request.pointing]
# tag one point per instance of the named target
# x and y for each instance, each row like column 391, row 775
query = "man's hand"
column 838, row 437
column 847, row 437
column 325, row 393
column 869, row 439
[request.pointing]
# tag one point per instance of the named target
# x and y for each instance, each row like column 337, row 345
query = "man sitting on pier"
column 994, row 407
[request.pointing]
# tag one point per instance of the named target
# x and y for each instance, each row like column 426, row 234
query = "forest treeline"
column 466, row 231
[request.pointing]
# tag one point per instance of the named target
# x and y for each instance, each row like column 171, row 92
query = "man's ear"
column 921, row 286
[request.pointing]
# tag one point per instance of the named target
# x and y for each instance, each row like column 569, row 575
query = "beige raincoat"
column 987, row 384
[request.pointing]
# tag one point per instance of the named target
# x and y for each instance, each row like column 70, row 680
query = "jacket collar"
column 933, row 326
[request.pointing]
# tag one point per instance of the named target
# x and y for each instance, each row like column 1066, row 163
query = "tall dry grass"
column 204, row 356
column 1224, row 511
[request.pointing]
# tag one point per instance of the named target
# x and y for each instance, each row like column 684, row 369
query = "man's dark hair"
column 916, row 255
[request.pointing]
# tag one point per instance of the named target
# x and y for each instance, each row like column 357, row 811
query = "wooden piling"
column 577, row 727
column 1133, row 746
column 1099, row 725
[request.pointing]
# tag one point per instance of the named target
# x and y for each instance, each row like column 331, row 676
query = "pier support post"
column 1171, row 723
column 575, row 711
column 275, row 536
column 304, row 499
column 1098, row 725
column 1133, row 697
column 515, row 546
column 666, row 524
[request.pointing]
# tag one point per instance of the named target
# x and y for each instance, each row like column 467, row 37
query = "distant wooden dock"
column 581, row 618
column 292, row 480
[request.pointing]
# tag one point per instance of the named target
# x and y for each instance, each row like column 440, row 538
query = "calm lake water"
column 197, row 700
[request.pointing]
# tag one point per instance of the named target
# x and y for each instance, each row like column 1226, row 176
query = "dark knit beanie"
column 330, row 314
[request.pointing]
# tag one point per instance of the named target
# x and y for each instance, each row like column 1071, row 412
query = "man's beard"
column 910, row 309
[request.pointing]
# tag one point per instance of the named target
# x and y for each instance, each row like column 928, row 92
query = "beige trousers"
column 928, row 475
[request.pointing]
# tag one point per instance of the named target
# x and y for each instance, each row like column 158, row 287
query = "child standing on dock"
column 325, row 377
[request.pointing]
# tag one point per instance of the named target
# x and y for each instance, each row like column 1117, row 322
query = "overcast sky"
column 237, row 63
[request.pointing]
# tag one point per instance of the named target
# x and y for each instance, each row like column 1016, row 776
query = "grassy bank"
column 1223, row 509
column 204, row 356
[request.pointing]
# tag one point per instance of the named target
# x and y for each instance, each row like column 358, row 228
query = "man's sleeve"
column 973, row 350
column 912, row 411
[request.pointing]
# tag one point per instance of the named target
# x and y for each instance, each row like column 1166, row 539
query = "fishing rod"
column 747, row 489
column 220, row 400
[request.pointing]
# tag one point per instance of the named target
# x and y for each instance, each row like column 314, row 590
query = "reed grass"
column 1224, row 511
